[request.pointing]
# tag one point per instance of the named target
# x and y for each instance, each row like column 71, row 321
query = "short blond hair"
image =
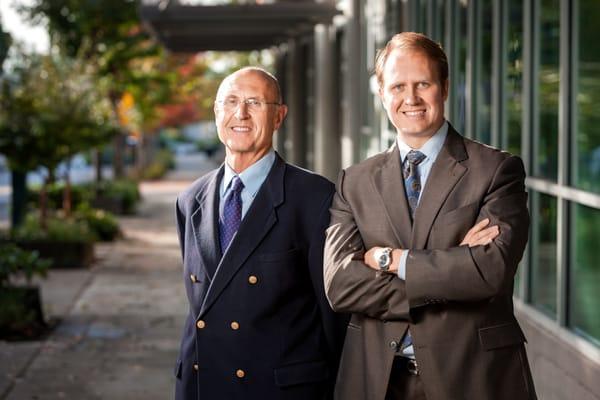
column 417, row 42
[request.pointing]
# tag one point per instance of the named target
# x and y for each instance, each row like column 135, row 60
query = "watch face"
column 384, row 260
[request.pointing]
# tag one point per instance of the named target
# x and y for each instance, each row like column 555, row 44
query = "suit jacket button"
column 240, row 373
column 252, row 280
column 200, row 324
column 235, row 326
column 195, row 367
column 193, row 278
column 393, row 344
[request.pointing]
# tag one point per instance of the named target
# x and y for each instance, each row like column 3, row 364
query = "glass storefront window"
column 514, row 78
column 484, row 81
column 546, row 139
column 584, row 302
column 460, row 76
column 543, row 252
column 586, row 157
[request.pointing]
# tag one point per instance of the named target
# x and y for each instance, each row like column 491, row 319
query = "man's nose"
column 241, row 112
column 411, row 97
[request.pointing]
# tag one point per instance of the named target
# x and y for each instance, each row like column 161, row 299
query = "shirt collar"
column 253, row 176
column 431, row 148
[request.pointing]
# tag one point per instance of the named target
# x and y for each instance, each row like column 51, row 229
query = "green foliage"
column 123, row 190
column 5, row 42
column 102, row 223
column 50, row 110
column 108, row 33
column 16, row 262
column 55, row 192
column 58, row 229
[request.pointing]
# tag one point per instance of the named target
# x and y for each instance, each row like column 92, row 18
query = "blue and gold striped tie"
column 412, row 179
column 412, row 185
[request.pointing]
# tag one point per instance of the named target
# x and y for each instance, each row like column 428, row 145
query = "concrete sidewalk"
column 120, row 321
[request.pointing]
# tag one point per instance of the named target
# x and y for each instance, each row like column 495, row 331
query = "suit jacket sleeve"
column 334, row 324
column 473, row 274
column 351, row 286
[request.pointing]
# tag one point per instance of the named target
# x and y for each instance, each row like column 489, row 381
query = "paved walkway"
column 120, row 321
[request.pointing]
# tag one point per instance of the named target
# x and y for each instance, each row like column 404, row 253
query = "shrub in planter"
column 162, row 162
column 21, row 313
column 67, row 242
column 55, row 192
column 102, row 223
column 119, row 196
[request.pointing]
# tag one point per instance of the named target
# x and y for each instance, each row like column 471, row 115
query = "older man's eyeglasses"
column 232, row 103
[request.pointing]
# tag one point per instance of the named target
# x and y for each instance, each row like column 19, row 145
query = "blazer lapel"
column 257, row 222
column 205, row 222
column 389, row 184
column 444, row 175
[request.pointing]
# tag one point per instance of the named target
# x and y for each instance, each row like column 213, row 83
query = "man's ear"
column 280, row 115
column 445, row 89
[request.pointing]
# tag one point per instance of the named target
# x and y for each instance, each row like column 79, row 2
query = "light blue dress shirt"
column 431, row 149
column 252, row 178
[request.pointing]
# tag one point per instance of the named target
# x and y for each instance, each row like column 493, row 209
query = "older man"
column 431, row 299
column 251, row 236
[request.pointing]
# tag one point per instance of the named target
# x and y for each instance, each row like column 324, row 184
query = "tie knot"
column 415, row 157
column 236, row 184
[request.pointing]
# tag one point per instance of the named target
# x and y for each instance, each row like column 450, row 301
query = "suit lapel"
column 389, row 184
column 445, row 174
column 258, row 221
column 205, row 220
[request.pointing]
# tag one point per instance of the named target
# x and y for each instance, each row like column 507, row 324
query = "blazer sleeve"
column 352, row 286
column 334, row 324
column 472, row 274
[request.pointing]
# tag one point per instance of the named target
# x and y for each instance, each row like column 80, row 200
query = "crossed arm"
column 479, row 267
column 479, row 235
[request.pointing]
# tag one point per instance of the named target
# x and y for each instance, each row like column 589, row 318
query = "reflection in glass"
column 422, row 17
column 484, row 84
column 460, row 77
column 587, row 148
column 543, row 252
column 546, row 139
column 514, row 78
column 585, row 269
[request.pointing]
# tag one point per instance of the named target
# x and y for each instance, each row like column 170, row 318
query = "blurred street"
column 119, row 323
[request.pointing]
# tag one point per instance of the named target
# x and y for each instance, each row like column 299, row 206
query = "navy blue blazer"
column 259, row 324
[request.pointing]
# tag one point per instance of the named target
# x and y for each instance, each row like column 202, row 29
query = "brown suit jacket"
column 457, row 300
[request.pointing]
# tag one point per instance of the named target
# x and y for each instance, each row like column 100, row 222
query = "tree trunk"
column 97, row 155
column 141, row 155
column 19, row 198
column 118, row 141
column 118, row 156
column 44, row 204
column 67, row 203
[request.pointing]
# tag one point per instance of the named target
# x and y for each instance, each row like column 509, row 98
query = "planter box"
column 62, row 254
column 21, row 315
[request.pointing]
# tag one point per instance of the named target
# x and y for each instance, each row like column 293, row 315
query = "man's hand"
column 370, row 260
column 479, row 235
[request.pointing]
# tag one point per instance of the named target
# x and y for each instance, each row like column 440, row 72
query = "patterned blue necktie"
column 232, row 213
column 412, row 185
column 412, row 179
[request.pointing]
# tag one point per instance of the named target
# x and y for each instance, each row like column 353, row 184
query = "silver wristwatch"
column 383, row 257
